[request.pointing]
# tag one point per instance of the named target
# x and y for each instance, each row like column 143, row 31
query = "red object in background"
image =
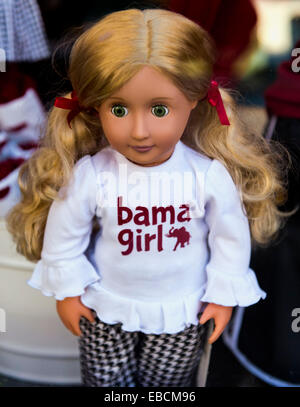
column 14, row 84
column 4, row 192
column 28, row 145
column 7, row 166
column 283, row 96
column 229, row 22
column 21, row 114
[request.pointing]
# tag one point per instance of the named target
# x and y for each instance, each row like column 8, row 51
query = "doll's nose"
column 139, row 129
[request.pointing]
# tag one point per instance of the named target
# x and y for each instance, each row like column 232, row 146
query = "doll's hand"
column 70, row 310
column 221, row 316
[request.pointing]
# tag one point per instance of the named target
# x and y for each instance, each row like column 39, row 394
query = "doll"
column 139, row 293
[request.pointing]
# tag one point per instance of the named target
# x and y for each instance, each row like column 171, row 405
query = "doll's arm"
column 64, row 270
column 230, row 281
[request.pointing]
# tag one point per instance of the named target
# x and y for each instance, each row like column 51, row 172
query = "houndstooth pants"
column 110, row 356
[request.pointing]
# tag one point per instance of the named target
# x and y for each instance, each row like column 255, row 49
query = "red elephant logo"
column 181, row 234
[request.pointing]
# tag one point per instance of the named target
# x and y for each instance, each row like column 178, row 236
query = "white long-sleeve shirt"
column 172, row 237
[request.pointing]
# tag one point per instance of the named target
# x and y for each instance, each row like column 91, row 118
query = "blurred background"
column 254, row 40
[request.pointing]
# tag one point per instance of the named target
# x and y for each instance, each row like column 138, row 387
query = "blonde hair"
column 103, row 59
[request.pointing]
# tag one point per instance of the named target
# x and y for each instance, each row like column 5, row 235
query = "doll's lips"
column 142, row 149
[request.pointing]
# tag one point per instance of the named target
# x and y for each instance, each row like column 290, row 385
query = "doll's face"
column 148, row 111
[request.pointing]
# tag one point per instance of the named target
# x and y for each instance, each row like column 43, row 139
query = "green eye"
column 160, row 110
column 119, row 110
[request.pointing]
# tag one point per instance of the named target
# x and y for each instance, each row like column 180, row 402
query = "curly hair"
column 102, row 60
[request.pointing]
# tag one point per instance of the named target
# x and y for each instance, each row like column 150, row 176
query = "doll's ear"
column 194, row 104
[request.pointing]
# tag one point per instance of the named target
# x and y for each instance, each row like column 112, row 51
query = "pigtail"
column 256, row 166
column 41, row 177
column 102, row 60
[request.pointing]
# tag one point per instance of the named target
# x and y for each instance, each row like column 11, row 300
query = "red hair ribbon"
column 215, row 99
column 69, row 104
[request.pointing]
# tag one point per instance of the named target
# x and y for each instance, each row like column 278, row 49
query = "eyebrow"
column 152, row 100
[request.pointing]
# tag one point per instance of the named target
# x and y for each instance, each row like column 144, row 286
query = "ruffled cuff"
column 231, row 290
column 67, row 280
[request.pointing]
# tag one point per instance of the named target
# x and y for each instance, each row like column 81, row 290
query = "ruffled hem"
column 66, row 281
column 232, row 290
column 147, row 317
